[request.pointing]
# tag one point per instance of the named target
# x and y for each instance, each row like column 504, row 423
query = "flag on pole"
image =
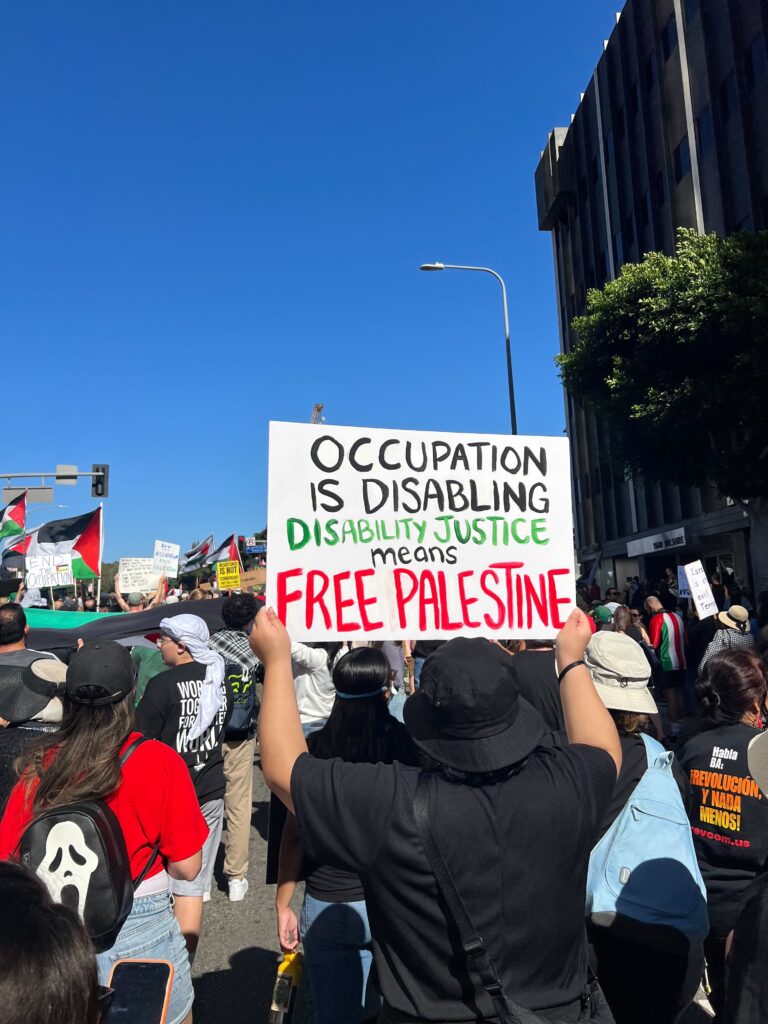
column 79, row 536
column 227, row 551
column 196, row 556
column 13, row 518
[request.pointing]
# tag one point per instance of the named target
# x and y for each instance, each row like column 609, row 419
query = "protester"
column 32, row 693
column 731, row 632
column 537, row 680
column 187, row 707
column 499, row 804
column 718, row 590
column 603, row 617
column 636, row 621
column 13, row 638
column 334, row 928
column 47, row 968
column 136, row 602
column 728, row 816
column 239, row 746
column 621, row 674
column 421, row 650
column 150, row 794
column 315, row 694
column 666, row 630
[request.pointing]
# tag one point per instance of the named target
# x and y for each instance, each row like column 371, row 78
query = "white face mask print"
column 68, row 861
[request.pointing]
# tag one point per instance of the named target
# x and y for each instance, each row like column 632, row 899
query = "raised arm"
column 281, row 740
column 119, row 597
column 586, row 718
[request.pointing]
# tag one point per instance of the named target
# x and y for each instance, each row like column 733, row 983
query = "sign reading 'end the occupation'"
column 390, row 534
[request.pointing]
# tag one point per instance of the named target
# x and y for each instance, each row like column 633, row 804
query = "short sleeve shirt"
column 155, row 803
column 518, row 851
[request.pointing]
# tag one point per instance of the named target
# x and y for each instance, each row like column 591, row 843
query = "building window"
column 618, row 250
column 595, row 169
column 669, row 37
column 582, row 189
column 660, row 188
column 691, row 10
column 756, row 64
column 582, row 297
column 729, row 97
column 634, row 98
column 682, row 159
column 602, row 268
column 629, row 231
column 645, row 209
column 705, row 130
column 619, row 123
column 649, row 73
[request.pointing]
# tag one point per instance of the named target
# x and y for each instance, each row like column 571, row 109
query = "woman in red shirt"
column 152, row 797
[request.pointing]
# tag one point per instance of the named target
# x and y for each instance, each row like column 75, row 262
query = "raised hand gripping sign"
column 389, row 534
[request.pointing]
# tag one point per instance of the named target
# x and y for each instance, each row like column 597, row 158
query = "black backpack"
column 79, row 852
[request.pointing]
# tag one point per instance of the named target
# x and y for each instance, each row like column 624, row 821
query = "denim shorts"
column 152, row 932
column 213, row 812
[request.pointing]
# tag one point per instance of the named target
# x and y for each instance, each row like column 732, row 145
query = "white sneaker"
column 238, row 887
column 207, row 897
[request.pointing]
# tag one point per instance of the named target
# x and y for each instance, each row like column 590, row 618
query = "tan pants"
column 238, row 800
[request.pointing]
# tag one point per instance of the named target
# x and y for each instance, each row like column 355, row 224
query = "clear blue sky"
column 213, row 215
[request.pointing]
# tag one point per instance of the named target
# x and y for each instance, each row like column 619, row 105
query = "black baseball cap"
column 468, row 713
column 100, row 673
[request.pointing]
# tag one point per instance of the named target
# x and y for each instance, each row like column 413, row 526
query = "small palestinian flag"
column 79, row 536
column 13, row 517
column 227, row 551
column 196, row 556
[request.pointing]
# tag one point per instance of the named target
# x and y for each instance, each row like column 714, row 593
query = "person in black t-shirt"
column 728, row 813
column 188, row 707
column 420, row 651
column 334, row 919
column 514, row 820
column 537, row 680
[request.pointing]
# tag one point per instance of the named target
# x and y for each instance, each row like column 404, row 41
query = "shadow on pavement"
column 240, row 994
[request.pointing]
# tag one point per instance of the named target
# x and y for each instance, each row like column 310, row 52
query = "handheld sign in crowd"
column 166, row 558
column 138, row 575
column 391, row 534
column 701, row 592
column 49, row 571
column 682, row 582
column 228, row 575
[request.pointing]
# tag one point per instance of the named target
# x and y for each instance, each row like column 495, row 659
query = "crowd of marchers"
column 518, row 831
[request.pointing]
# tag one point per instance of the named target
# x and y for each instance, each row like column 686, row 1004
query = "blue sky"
column 213, row 216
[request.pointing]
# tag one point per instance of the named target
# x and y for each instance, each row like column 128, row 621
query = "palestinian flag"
column 227, row 551
column 196, row 556
column 79, row 536
column 13, row 517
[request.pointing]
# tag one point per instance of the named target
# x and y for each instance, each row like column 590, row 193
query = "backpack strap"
column 656, row 754
column 130, row 749
column 478, row 958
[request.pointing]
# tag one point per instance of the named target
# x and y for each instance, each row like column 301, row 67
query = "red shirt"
column 155, row 802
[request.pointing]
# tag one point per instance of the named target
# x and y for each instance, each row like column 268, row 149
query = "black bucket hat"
column 468, row 713
column 100, row 673
column 26, row 690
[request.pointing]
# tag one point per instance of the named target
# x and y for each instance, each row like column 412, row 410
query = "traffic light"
column 100, row 482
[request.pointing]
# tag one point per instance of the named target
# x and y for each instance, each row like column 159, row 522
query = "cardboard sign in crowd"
column 392, row 534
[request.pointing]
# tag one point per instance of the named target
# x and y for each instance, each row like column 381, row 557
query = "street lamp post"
column 487, row 270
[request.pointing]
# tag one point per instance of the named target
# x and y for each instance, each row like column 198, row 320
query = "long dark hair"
column 47, row 967
column 82, row 760
column 360, row 729
column 731, row 684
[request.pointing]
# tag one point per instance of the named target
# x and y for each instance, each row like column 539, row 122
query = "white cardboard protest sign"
column 138, row 575
column 48, row 571
column 701, row 592
column 683, row 589
column 391, row 534
column 166, row 558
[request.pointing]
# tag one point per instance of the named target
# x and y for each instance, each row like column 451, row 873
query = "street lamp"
column 487, row 270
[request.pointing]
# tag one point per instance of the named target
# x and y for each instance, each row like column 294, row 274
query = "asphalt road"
column 237, row 958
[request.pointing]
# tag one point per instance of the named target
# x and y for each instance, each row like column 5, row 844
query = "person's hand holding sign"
column 281, row 740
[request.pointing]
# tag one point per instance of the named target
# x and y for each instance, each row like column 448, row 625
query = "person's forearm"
column 289, row 863
column 586, row 718
column 281, row 740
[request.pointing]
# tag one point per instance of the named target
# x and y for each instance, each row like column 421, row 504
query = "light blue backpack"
column 643, row 873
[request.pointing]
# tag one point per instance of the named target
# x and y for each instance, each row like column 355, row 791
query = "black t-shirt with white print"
column 168, row 711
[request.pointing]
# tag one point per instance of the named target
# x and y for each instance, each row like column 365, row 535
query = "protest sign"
column 166, row 558
column 48, row 571
column 701, row 592
column 683, row 589
column 392, row 534
column 228, row 575
column 138, row 575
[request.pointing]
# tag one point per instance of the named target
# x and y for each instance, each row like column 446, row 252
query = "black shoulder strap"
column 132, row 746
column 478, row 958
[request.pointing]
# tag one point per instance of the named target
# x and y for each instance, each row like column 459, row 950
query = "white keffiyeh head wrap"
column 191, row 631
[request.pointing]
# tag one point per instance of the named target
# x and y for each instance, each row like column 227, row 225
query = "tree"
column 672, row 357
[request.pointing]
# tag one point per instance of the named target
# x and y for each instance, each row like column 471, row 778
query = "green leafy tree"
column 672, row 357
